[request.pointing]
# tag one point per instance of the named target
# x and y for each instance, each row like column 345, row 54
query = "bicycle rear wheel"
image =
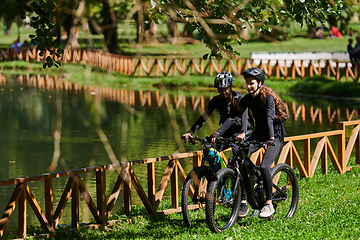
column 222, row 201
column 193, row 193
column 285, row 194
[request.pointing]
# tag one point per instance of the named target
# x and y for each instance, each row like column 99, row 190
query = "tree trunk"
column 150, row 34
column 109, row 28
column 174, row 31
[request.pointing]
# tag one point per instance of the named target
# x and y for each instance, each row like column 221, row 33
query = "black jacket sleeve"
column 201, row 121
column 227, row 125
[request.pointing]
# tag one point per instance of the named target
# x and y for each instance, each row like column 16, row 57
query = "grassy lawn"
column 297, row 43
column 87, row 76
column 328, row 209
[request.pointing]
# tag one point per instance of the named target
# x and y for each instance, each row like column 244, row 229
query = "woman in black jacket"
column 269, row 112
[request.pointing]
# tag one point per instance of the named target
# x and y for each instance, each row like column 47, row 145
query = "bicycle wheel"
column 193, row 193
column 222, row 201
column 285, row 194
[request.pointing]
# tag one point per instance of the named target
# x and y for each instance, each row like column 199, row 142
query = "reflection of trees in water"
column 142, row 99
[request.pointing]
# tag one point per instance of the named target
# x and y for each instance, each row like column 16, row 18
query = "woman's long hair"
column 279, row 104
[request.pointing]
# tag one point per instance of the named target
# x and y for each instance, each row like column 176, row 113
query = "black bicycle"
column 195, row 185
column 223, row 197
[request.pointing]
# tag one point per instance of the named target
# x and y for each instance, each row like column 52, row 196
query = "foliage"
column 10, row 9
column 46, row 31
column 342, row 20
column 220, row 22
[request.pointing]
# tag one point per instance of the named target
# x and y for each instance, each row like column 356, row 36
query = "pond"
column 53, row 126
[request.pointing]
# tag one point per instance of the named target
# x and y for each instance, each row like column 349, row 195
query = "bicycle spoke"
column 285, row 191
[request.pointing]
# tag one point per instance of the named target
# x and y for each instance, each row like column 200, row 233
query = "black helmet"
column 256, row 73
column 223, row 80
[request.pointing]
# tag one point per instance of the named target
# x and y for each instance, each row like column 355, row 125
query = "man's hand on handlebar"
column 186, row 137
column 214, row 136
column 241, row 136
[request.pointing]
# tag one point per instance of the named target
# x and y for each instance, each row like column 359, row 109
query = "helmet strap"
column 256, row 88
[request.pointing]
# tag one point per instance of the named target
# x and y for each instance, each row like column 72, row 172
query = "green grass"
column 87, row 76
column 297, row 43
column 328, row 209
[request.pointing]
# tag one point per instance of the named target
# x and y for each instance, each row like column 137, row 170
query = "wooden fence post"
column 151, row 184
column 127, row 191
column 307, row 156
column 49, row 202
column 341, row 147
column 101, row 193
column 175, row 186
column 75, row 204
column 197, row 159
column 22, row 212
column 357, row 147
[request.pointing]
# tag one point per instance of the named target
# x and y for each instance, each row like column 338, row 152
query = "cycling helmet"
column 256, row 73
column 223, row 80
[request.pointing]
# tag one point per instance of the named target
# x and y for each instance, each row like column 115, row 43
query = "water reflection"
column 51, row 125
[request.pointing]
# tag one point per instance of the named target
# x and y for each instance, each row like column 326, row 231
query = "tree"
column 347, row 12
column 12, row 11
column 218, row 22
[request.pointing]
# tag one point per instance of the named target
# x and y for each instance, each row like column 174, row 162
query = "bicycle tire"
column 190, row 201
column 285, row 190
column 221, row 211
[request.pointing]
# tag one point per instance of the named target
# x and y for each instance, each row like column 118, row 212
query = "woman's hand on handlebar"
column 186, row 137
column 269, row 143
column 214, row 136
column 241, row 136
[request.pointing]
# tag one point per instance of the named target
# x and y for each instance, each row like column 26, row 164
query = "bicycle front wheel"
column 193, row 193
column 285, row 194
column 222, row 201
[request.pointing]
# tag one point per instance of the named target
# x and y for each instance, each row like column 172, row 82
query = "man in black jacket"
column 223, row 82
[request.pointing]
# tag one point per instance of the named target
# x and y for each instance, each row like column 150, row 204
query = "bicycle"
column 224, row 191
column 195, row 185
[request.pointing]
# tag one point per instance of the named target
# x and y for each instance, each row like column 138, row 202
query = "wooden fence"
column 127, row 179
column 157, row 67
column 130, row 97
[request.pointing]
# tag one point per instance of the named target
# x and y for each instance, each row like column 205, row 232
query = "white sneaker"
column 267, row 210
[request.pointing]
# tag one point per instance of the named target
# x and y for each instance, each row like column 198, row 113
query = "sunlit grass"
column 297, row 43
column 328, row 209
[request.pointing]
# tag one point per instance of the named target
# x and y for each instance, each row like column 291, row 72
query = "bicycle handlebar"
column 246, row 143
column 229, row 140
column 195, row 139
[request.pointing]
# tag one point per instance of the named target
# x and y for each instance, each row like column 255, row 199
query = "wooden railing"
column 50, row 217
column 174, row 66
column 149, row 98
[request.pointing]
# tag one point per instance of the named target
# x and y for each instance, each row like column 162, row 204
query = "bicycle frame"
column 252, row 178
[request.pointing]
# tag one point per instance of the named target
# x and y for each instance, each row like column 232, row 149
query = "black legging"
column 268, row 158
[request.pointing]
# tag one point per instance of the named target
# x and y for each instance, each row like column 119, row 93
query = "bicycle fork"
column 228, row 188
